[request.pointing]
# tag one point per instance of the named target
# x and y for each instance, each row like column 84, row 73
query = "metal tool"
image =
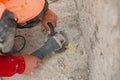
column 55, row 43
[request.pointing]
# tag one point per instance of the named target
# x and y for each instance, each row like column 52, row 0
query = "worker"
column 20, row 14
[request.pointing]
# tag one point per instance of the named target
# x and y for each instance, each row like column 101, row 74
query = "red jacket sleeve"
column 10, row 65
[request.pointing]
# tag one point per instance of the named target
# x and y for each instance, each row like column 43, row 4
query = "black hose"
column 24, row 43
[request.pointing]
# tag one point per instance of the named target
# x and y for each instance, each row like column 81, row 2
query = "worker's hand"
column 31, row 63
column 49, row 17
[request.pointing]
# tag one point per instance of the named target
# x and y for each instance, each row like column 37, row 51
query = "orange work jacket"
column 25, row 10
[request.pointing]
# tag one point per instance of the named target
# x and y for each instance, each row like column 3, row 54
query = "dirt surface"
column 93, row 30
column 100, row 24
column 69, row 65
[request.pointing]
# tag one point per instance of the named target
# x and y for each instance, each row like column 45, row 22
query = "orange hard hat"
column 25, row 10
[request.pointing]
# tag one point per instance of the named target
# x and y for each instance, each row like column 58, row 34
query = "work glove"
column 8, row 24
column 49, row 17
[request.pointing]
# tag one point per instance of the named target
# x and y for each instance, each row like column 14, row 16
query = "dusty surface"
column 98, row 21
column 69, row 65
column 100, row 24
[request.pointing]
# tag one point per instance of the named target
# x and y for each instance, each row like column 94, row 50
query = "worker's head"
column 7, row 31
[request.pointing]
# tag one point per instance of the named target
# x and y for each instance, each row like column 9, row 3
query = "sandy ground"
column 93, row 30
column 100, row 25
column 69, row 65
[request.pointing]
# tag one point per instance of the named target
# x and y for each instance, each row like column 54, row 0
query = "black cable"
column 24, row 43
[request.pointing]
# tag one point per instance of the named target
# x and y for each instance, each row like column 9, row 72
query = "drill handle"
column 52, row 33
